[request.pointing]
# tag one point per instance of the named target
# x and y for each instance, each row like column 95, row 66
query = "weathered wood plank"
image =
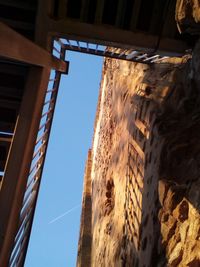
column 19, row 159
column 16, row 3
column 135, row 14
column 62, row 9
column 16, row 47
column 85, row 10
column 170, row 28
column 16, row 24
column 99, row 11
column 120, row 13
column 110, row 36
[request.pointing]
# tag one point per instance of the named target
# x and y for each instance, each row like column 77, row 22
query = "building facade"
column 31, row 65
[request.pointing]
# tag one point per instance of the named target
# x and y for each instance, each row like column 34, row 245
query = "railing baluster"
column 69, row 43
column 49, row 101
column 142, row 56
column 150, row 58
column 132, row 54
column 113, row 52
column 41, row 137
column 122, row 53
column 78, row 44
column 96, row 49
column 55, row 49
column 45, row 123
column 159, row 59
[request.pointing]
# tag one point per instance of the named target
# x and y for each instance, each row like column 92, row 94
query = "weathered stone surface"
column 85, row 236
column 146, row 165
column 188, row 16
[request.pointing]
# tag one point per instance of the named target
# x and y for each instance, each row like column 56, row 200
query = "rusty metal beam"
column 16, row 47
column 19, row 159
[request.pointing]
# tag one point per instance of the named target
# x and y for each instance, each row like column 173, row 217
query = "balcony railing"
column 33, row 182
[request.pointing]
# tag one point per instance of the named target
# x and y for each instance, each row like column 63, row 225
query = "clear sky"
column 55, row 244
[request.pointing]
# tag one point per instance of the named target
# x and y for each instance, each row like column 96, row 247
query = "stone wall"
column 85, row 237
column 188, row 16
column 145, row 165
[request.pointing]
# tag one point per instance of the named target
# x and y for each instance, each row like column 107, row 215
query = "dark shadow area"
column 174, row 120
column 143, row 185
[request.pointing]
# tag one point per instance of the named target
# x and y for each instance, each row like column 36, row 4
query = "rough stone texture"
column 188, row 16
column 85, row 238
column 145, row 165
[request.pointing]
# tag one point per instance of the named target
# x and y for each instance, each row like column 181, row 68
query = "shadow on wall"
column 162, row 221
column 178, row 126
column 141, row 240
column 163, row 184
column 162, row 189
column 142, row 185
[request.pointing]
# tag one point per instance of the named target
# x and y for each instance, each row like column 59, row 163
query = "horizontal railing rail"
column 132, row 55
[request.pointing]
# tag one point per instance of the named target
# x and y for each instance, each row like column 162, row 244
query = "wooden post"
column 16, row 47
column 19, row 159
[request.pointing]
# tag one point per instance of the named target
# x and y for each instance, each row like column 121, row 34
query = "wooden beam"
column 170, row 28
column 62, row 9
column 99, row 11
column 85, row 9
column 10, row 92
column 5, row 138
column 16, row 3
column 135, row 14
column 11, row 68
column 110, row 36
column 16, row 47
column 44, row 12
column 19, row 159
column 120, row 13
column 157, row 17
column 20, row 25
column 9, row 103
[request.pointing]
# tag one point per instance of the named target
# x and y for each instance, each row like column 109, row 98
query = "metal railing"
column 18, row 254
column 133, row 55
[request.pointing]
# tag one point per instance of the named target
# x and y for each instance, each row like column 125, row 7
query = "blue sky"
column 55, row 244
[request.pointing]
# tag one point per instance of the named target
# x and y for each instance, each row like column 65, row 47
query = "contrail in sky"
column 62, row 215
